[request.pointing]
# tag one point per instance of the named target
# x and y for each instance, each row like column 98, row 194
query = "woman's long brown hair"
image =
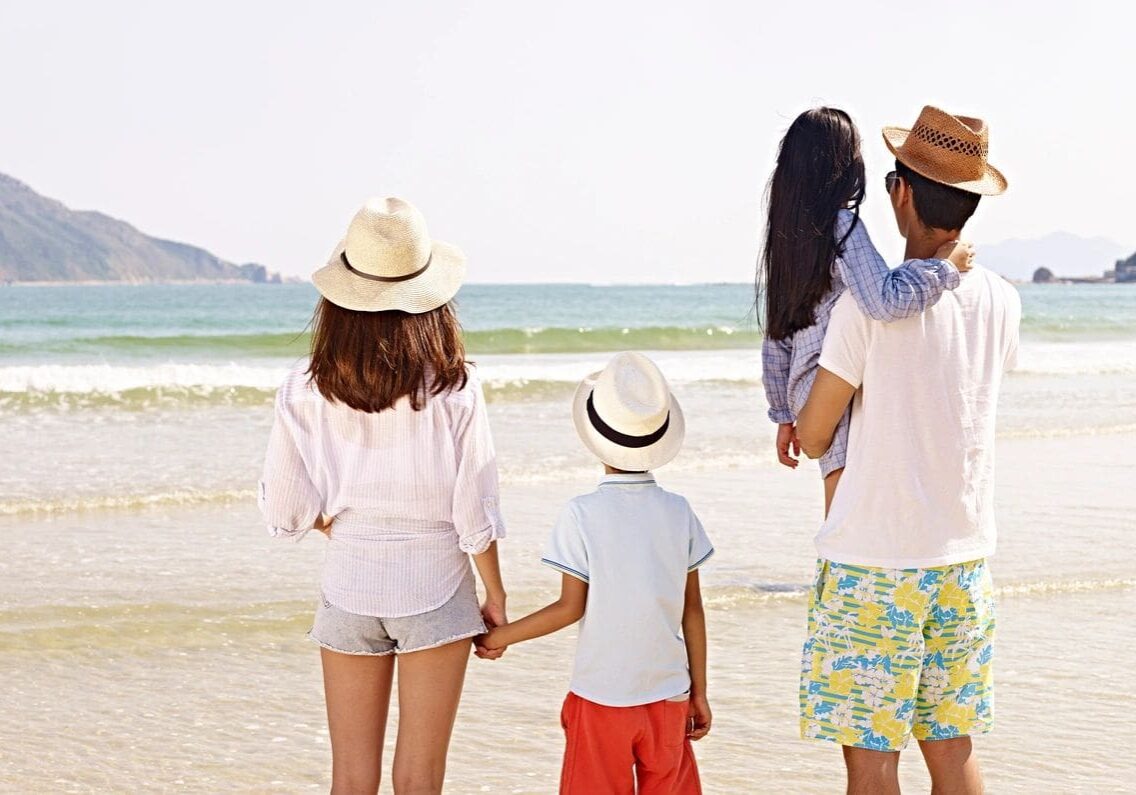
column 370, row 360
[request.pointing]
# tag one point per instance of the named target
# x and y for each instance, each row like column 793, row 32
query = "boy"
column 629, row 554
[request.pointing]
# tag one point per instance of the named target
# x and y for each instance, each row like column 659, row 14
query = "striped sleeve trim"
column 701, row 560
column 579, row 575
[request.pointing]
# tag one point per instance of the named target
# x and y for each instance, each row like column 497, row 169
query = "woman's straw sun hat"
column 388, row 261
column 950, row 150
column 626, row 415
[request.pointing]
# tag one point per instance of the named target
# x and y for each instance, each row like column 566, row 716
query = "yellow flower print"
column 938, row 640
column 872, row 615
column 908, row 597
column 960, row 675
column 846, row 735
column 950, row 595
column 907, row 685
column 841, row 682
column 951, row 714
column 893, row 729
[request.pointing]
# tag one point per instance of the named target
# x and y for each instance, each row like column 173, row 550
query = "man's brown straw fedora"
column 948, row 149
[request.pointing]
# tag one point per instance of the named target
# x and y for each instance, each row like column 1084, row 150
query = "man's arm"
column 827, row 403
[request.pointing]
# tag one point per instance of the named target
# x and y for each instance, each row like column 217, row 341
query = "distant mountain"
column 41, row 240
column 1065, row 254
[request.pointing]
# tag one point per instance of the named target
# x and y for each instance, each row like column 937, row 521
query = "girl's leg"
column 357, row 688
column 429, row 689
column 830, row 483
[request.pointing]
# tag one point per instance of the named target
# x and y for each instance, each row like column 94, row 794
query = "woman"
column 383, row 444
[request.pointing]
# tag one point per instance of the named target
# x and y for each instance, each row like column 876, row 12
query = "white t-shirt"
column 918, row 490
column 633, row 543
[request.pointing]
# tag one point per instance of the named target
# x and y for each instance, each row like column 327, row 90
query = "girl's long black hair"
column 819, row 171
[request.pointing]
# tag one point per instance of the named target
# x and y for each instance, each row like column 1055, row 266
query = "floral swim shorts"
column 896, row 653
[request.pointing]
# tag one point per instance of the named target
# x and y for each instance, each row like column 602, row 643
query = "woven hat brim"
column 639, row 459
column 992, row 182
column 436, row 286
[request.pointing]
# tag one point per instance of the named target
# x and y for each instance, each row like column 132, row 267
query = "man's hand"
column 959, row 252
column 786, row 440
column 698, row 718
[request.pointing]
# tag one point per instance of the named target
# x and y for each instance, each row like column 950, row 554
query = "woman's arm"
column 568, row 609
column 489, row 569
column 694, row 634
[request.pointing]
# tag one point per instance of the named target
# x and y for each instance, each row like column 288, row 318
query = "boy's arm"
column 694, row 634
column 568, row 609
column 885, row 294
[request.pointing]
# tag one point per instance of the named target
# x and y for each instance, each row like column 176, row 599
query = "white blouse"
column 412, row 493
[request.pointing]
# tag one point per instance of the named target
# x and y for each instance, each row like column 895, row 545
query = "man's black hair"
column 937, row 205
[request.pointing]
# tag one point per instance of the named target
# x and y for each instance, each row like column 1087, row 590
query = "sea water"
column 151, row 634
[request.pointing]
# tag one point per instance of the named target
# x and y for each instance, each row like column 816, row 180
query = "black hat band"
column 623, row 439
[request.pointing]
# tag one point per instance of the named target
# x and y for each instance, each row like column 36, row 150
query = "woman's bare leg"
column 429, row 689
column 358, row 689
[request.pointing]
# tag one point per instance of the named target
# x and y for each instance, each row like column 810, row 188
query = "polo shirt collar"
column 633, row 479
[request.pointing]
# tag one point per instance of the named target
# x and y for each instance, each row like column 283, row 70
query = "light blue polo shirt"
column 633, row 543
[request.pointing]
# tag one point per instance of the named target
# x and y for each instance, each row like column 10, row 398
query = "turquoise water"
column 45, row 325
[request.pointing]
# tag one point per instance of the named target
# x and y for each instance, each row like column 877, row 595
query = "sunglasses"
column 890, row 180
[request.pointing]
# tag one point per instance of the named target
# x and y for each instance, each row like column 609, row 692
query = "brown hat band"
column 419, row 272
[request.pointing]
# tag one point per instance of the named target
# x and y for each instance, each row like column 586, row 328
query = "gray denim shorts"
column 349, row 633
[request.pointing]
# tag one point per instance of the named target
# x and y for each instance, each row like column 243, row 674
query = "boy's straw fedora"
column 947, row 149
column 387, row 261
column 626, row 415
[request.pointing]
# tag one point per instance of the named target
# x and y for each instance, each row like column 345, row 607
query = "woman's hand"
column 698, row 718
column 323, row 524
column 786, row 439
column 959, row 252
column 493, row 614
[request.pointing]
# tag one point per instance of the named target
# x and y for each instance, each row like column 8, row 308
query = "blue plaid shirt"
column 789, row 366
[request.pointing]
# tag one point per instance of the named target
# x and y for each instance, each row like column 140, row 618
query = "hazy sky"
column 583, row 141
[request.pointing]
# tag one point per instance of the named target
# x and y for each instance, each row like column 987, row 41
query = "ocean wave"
column 582, row 339
column 121, row 502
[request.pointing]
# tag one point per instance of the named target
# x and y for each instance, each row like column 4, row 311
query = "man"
column 901, row 619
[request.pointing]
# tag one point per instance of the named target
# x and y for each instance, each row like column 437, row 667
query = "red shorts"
column 610, row 749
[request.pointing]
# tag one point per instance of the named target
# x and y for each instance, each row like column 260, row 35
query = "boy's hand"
column 485, row 648
column 493, row 614
column 698, row 718
column 786, row 439
column 959, row 252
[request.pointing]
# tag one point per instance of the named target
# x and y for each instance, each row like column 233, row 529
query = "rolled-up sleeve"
column 476, row 512
column 288, row 500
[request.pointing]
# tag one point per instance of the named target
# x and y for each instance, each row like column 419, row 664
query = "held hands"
column 698, row 718
column 786, row 439
column 959, row 252
column 493, row 614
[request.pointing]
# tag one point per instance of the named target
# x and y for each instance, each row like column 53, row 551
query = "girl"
column 383, row 444
column 815, row 248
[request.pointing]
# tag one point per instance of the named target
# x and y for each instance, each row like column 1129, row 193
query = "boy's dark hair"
column 937, row 205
